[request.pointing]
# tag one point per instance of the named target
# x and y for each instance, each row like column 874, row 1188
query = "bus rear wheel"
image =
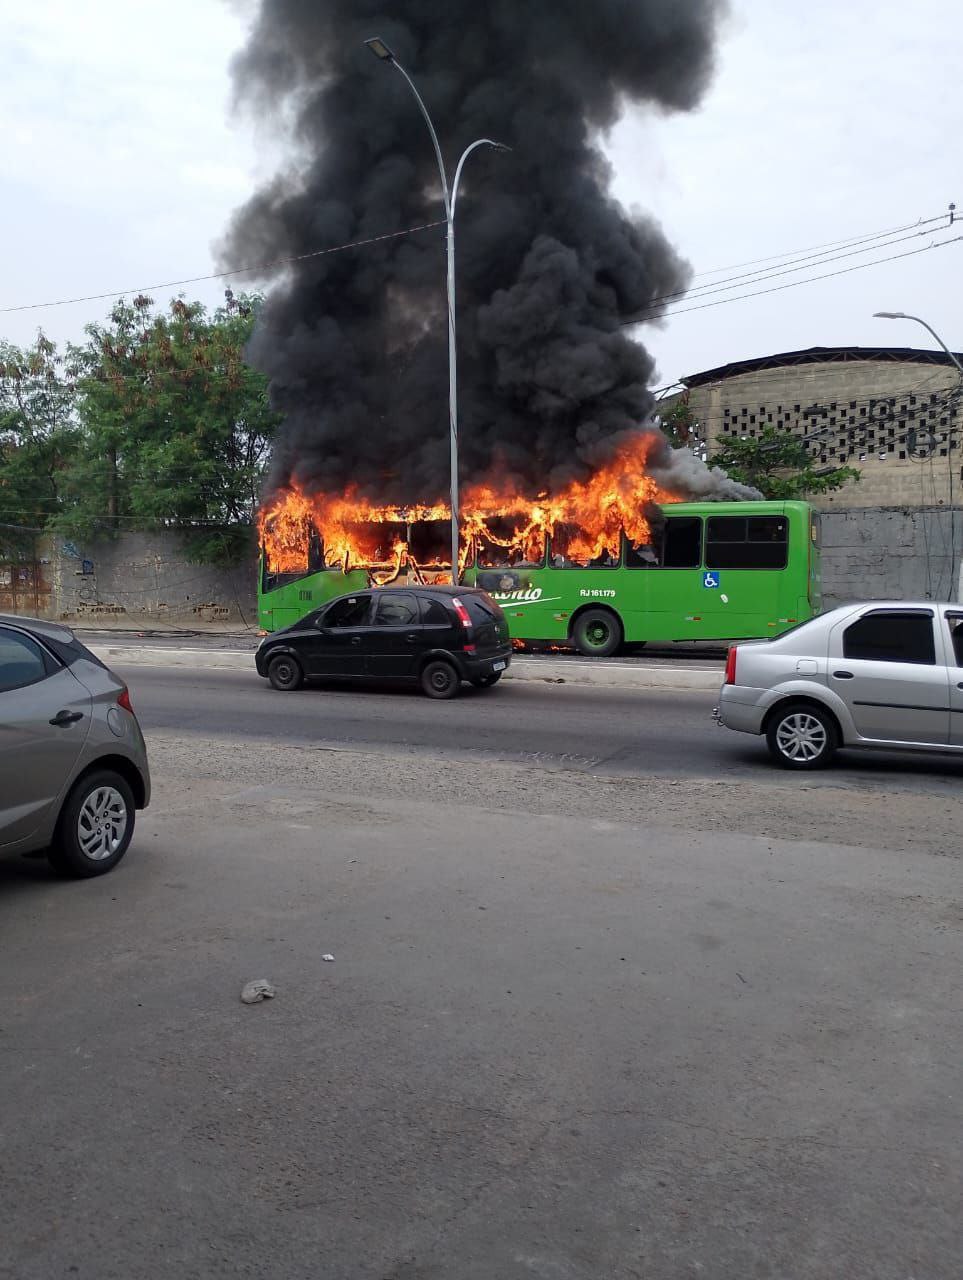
column 597, row 633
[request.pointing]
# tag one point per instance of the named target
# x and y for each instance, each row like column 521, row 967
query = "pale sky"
column 826, row 120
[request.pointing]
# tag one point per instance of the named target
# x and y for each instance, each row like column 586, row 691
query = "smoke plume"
column 549, row 266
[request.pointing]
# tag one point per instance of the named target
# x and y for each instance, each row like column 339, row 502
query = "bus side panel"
column 283, row 606
column 533, row 601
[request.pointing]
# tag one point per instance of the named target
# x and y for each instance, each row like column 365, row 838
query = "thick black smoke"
column 548, row 264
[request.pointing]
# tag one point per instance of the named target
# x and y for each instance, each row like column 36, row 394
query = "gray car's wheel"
column 285, row 673
column 95, row 826
column 802, row 736
column 440, row 679
column 597, row 633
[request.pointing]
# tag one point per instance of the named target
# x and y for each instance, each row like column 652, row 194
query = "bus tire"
column 597, row 633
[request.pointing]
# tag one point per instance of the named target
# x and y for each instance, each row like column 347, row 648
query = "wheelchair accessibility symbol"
column 710, row 580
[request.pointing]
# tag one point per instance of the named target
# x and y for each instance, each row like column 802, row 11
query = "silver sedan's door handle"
column 842, row 675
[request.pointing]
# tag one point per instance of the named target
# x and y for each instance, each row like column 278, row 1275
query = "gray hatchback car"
column 73, row 765
column 884, row 675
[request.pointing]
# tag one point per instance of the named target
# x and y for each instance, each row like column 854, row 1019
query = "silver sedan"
column 73, row 765
column 884, row 675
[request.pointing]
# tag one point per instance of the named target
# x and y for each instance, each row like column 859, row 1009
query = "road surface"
column 610, row 997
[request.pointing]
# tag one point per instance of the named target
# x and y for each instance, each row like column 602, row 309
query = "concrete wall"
column 891, row 553
column 142, row 578
column 145, row 579
column 892, row 420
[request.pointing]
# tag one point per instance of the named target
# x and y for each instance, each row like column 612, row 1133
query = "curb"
column 601, row 674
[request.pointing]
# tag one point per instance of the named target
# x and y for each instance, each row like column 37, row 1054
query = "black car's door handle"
column 842, row 675
column 355, row 639
column 63, row 718
column 412, row 639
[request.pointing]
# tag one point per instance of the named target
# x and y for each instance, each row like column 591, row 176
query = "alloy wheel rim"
column 801, row 736
column 102, row 823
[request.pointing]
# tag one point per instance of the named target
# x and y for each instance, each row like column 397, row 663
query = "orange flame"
column 585, row 520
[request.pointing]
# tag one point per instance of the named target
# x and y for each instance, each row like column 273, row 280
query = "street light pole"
column 450, row 196
column 901, row 315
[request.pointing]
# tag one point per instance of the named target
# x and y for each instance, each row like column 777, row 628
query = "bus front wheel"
column 597, row 633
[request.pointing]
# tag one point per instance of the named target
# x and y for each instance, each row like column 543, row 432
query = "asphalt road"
column 627, row 732
column 610, row 997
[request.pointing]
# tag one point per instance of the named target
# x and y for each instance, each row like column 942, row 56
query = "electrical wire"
column 793, row 284
column 218, row 275
column 784, row 269
column 829, row 244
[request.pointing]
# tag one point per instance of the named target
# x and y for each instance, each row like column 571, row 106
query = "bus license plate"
column 498, row 666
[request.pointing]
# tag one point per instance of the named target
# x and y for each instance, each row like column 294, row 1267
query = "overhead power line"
column 783, row 269
column 218, row 275
column 792, row 284
column 829, row 244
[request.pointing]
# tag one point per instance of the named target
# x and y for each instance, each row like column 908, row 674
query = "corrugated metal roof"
column 819, row 355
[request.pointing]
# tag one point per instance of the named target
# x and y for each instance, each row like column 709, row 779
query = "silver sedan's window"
column 891, row 637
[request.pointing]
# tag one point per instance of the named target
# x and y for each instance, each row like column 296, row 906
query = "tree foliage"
column 779, row 465
column 679, row 424
column 38, row 436
column 174, row 427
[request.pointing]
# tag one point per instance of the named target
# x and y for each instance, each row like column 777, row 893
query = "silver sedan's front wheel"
column 801, row 736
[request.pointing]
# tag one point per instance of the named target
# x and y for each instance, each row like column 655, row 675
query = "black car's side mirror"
column 321, row 628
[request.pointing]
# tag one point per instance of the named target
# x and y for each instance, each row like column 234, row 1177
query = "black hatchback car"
column 438, row 636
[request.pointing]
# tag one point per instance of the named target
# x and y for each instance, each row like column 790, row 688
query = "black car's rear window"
column 481, row 609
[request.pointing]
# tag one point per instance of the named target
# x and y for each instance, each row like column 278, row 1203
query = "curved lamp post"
column 381, row 50
column 901, row 315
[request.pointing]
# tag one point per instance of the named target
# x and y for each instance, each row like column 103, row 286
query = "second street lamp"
column 381, row 50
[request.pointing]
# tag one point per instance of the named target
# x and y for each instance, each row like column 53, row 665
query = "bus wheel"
column 597, row 633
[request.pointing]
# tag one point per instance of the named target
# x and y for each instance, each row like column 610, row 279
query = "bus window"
column 747, row 542
column 490, row 555
column 501, row 551
column 569, row 550
column 681, row 547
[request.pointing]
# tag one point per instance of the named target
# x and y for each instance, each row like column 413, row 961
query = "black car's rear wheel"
column 285, row 673
column 486, row 682
column 440, row 679
column 95, row 826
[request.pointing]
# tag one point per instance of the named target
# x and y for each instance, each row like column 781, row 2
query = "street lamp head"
column 380, row 49
column 890, row 315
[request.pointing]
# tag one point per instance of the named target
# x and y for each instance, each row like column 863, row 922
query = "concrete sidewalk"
column 549, row 669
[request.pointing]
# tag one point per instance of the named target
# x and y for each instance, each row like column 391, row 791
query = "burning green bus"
column 711, row 571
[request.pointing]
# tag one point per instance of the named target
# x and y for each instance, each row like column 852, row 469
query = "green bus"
column 714, row 571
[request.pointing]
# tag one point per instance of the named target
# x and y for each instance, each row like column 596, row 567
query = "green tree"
column 779, row 465
column 176, row 428
column 38, row 436
column 679, row 424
